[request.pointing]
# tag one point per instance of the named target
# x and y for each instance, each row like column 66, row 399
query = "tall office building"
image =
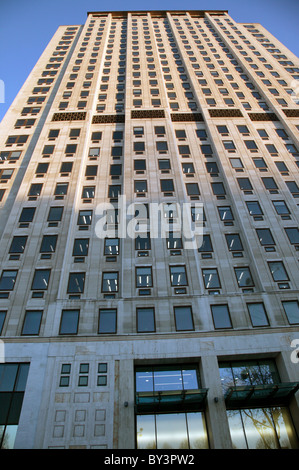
column 119, row 341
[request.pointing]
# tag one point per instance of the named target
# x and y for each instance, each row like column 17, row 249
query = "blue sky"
column 26, row 27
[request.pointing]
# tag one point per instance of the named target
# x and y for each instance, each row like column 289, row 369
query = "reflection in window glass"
column 172, row 431
column 262, row 428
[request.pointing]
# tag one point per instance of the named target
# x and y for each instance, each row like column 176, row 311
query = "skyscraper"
column 149, row 238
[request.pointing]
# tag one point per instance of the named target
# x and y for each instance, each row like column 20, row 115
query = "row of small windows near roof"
column 144, row 281
column 146, row 320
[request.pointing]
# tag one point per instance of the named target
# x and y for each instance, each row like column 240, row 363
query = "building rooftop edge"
column 118, row 12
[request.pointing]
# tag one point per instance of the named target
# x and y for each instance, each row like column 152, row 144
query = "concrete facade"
column 226, row 120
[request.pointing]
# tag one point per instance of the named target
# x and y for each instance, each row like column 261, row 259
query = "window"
column 219, row 190
column 143, row 242
column 140, row 165
column 61, row 189
column 41, row 279
column 245, row 184
column 221, row 316
column 107, row 320
column 254, row 208
column 183, row 318
column 35, row 190
column 167, row 186
column 251, row 426
column 2, row 319
column 76, row 283
column 80, row 247
column 229, row 145
column 192, row 189
column 140, row 186
column 84, row 218
column 184, row 150
column 234, row 243
column 145, row 320
column 144, row 277
column 88, row 192
column 55, row 214
column 18, row 244
column 48, row 244
column 8, row 280
column 169, row 426
column 13, row 378
column 212, row 168
column 260, row 163
column 293, row 235
column 114, row 191
column 139, row 146
column 265, row 236
column 278, row 271
column 281, row 207
column 293, row 188
column 291, row 308
column 244, row 277
column 69, row 322
column 91, row 170
column 66, row 167
column 206, row 245
column 211, row 278
column 32, row 322
column 178, row 276
column 251, row 145
column 111, row 246
column 27, row 214
column 225, row 213
column 258, row 314
column 110, row 282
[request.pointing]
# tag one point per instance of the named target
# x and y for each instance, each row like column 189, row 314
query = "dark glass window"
column 32, row 322
column 48, row 244
column 291, row 308
column 107, row 320
column 18, row 244
column 69, row 322
column 265, row 236
column 233, row 241
column 244, row 277
column 145, row 320
column 76, row 283
column 144, row 277
column 80, row 247
column 55, row 214
column 27, row 214
column 110, row 282
column 41, row 279
column 84, row 217
column 258, row 314
column 8, row 280
column 178, row 276
column 183, row 318
column 221, row 316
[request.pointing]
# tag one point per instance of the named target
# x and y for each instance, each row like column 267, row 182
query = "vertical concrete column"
column 217, row 423
column 125, row 405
